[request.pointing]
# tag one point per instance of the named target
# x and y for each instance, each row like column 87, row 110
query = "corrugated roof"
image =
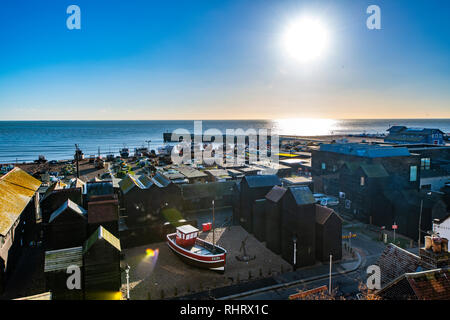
column 101, row 234
column 59, row 260
column 127, row 183
column 376, row 170
column 69, row 204
column 276, row 193
column 98, row 188
column 262, row 180
column 144, row 182
column 189, row 172
column 16, row 190
column 160, row 180
column 302, row 195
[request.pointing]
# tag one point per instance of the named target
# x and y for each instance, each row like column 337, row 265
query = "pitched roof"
column 101, row 234
column 128, row 183
column 143, row 182
column 396, row 128
column 395, row 261
column 189, row 172
column 302, row 195
column 17, row 188
column 276, row 193
column 59, row 260
column 262, row 180
column 425, row 285
column 98, row 188
column 69, row 204
column 160, row 180
column 76, row 183
column 376, row 170
column 324, row 213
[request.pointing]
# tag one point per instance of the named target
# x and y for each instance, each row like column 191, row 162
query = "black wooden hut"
column 298, row 225
column 328, row 234
column 101, row 260
column 273, row 210
column 253, row 188
column 56, row 265
column 259, row 219
column 67, row 226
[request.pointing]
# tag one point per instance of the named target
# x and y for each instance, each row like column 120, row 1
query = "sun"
column 305, row 39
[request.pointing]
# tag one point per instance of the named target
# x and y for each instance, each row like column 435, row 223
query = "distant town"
column 340, row 217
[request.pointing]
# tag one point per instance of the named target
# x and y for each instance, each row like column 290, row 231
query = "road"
column 346, row 285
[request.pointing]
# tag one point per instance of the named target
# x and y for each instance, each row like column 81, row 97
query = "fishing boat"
column 124, row 152
column 195, row 251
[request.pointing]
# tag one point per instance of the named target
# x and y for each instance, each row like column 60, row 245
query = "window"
column 324, row 166
column 362, row 181
column 425, row 163
column 413, row 173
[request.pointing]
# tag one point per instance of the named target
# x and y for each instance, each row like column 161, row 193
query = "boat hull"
column 211, row 262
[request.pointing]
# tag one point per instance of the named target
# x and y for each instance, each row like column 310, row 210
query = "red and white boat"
column 195, row 251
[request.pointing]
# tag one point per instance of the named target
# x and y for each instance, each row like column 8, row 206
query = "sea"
column 24, row 141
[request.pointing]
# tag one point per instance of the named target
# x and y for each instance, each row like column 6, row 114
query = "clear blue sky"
column 217, row 59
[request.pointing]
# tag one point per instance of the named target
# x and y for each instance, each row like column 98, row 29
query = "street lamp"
column 127, row 271
column 294, row 240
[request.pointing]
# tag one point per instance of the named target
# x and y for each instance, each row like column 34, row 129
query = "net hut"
column 67, row 226
column 298, row 225
column 101, row 260
column 273, row 209
column 253, row 188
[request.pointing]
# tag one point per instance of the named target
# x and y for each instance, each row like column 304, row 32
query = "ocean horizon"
column 25, row 140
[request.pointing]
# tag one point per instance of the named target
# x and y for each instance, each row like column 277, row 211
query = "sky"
column 217, row 59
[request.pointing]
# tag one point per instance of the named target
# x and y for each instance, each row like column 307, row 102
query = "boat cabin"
column 186, row 235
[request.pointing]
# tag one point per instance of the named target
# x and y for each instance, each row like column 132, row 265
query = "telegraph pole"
column 329, row 286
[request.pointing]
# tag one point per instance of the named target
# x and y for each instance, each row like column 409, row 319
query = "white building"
column 442, row 227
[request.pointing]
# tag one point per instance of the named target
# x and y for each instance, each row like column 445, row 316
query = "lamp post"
column 127, row 271
column 329, row 286
column 294, row 240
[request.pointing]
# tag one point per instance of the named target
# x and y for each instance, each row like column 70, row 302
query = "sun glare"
column 305, row 39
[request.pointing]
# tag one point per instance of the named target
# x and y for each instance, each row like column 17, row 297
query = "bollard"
column 249, row 274
column 162, row 294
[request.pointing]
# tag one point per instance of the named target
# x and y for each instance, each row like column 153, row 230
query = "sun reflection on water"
column 306, row 127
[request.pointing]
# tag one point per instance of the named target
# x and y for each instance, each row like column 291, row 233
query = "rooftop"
column 69, row 204
column 17, row 188
column 258, row 181
column 365, row 150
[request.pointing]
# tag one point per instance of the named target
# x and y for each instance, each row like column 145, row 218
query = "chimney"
column 435, row 251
